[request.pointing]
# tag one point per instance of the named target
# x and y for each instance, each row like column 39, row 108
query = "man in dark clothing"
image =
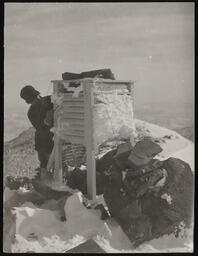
column 37, row 114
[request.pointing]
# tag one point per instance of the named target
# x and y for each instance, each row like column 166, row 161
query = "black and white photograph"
column 98, row 153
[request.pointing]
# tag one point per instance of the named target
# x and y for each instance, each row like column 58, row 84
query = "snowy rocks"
column 123, row 151
column 38, row 195
column 152, row 199
column 143, row 152
column 15, row 183
column 37, row 225
column 149, row 198
column 105, row 161
column 179, row 186
column 83, row 221
column 24, row 220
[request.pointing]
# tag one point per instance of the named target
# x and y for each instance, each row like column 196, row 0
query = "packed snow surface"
column 40, row 229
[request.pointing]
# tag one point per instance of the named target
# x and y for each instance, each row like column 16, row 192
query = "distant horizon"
column 152, row 43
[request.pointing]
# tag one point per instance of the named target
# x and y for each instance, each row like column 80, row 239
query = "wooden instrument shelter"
column 74, row 103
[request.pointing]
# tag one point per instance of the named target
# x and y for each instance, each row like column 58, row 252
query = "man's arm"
column 36, row 116
column 49, row 119
column 47, row 102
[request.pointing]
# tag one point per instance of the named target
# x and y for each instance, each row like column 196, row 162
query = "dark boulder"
column 104, row 163
column 122, row 153
column 137, row 229
column 77, row 179
column 180, row 186
column 143, row 152
column 154, row 202
column 116, row 199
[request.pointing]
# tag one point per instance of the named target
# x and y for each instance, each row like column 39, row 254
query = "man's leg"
column 43, row 157
column 42, row 160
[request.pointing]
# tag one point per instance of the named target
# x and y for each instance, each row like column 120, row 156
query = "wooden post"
column 58, row 173
column 89, row 138
column 50, row 163
column 132, row 92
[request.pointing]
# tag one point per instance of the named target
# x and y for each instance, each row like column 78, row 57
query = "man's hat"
column 28, row 92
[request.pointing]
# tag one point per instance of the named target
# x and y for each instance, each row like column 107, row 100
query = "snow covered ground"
column 174, row 144
column 40, row 230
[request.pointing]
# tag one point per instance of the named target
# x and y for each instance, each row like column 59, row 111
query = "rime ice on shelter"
column 87, row 113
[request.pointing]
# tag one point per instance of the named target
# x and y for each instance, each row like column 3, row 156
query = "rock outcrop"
column 149, row 198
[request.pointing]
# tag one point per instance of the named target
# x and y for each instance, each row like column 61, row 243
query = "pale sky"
column 152, row 43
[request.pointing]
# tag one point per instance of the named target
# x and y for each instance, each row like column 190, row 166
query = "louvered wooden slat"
column 72, row 103
column 73, row 108
column 78, row 116
column 75, row 139
column 72, row 111
column 73, row 122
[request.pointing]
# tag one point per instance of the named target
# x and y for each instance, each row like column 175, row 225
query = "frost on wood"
column 113, row 117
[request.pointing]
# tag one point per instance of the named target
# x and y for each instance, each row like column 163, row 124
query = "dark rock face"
column 149, row 199
column 122, row 153
column 137, row 229
column 143, row 153
column 141, row 205
column 77, row 179
column 106, row 161
column 115, row 199
column 88, row 247
column 180, row 186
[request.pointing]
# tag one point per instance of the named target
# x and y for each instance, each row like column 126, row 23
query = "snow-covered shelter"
column 87, row 113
